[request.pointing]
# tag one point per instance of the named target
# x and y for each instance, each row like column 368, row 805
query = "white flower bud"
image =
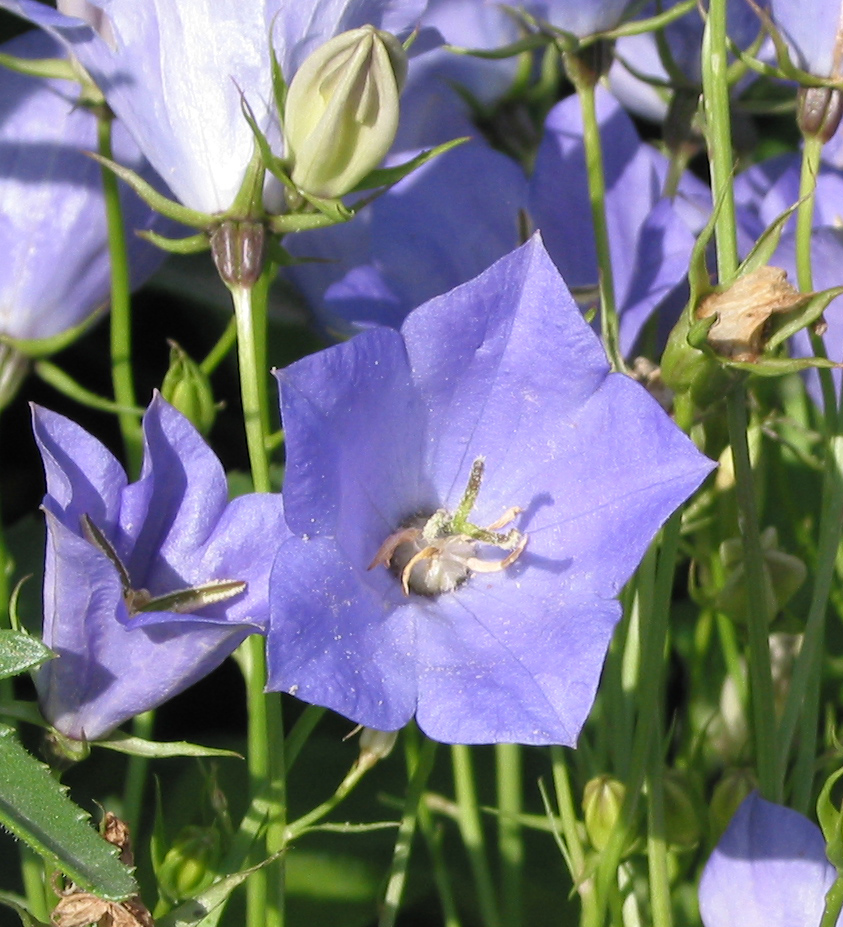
column 341, row 113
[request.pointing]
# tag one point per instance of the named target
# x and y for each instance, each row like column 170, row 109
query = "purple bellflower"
column 578, row 18
column 467, row 497
column 769, row 870
column 55, row 270
column 650, row 236
column 437, row 228
column 148, row 585
column 175, row 73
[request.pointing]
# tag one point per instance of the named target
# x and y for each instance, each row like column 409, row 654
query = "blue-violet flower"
column 467, row 497
column 768, row 870
column 148, row 585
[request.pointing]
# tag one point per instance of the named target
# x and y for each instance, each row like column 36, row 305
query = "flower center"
column 437, row 553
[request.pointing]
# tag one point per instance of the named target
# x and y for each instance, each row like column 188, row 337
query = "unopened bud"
column 375, row 745
column 191, row 863
column 682, row 819
column 602, row 800
column 819, row 111
column 188, row 389
column 341, row 113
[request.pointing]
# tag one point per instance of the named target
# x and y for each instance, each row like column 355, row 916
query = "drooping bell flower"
column 148, row 585
column 467, row 496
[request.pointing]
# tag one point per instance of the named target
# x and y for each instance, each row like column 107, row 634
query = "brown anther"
column 391, row 544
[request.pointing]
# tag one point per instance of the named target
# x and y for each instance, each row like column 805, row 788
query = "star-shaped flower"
column 467, row 497
column 149, row 585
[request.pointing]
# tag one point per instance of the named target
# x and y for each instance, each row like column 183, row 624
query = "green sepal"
column 44, row 347
column 61, row 68
column 763, row 249
column 207, row 907
column 651, row 23
column 303, row 222
column 190, row 244
column 20, row 652
column 831, row 821
column 279, row 85
column 156, row 201
column 185, row 601
column 788, row 323
column 527, row 44
column 150, row 749
column 24, row 711
column 389, row 176
column 781, row 366
column 18, row 905
column 65, row 384
column 35, row 808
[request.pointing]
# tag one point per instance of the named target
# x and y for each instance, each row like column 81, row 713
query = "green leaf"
column 137, row 746
column 207, row 907
column 389, row 176
column 18, row 905
column 35, row 808
column 20, row 652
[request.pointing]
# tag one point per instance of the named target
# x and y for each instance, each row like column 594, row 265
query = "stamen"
column 426, row 553
column 387, row 549
column 495, row 566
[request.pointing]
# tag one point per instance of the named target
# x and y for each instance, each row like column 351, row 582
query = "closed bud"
column 191, row 863
column 682, row 819
column 375, row 745
column 341, row 113
column 602, row 799
column 188, row 389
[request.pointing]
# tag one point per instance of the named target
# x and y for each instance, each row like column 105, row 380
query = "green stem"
column 32, row 872
column 811, row 157
column 265, row 888
column 760, row 674
column 136, row 771
column 121, row 309
column 510, row 836
column 220, row 350
column 573, row 841
column 833, row 904
column 406, row 829
column 609, row 328
column 656, row 844
column 654, row 629
column 471, row 830
column 809, row 661
column 715, row 65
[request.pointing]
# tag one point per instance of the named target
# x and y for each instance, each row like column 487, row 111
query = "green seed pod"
column 682, row 817
column 191, row 863
column 341, row 112
column 187, row 388
column 728, row 794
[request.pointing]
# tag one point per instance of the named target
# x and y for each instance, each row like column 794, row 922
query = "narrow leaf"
column 137, row 746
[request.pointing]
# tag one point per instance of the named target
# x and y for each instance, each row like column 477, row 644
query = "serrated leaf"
column 20, row 652
column 35, row 808
column 137, row 746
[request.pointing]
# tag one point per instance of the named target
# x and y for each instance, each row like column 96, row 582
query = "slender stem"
column 510, row 836
column 136, row 771
column 220, row 350
column 653, row 637
column 573, row 841
column 760, row 674
column 32, row 872
column 811, row 156
column 715, row 65
column 833, row 904
column 471, row 829
column 406, row 829
column 265, row 888
column 656, row 843
column 252, row 388
column 609, row 327
column 121, row 309
column 809, row 661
